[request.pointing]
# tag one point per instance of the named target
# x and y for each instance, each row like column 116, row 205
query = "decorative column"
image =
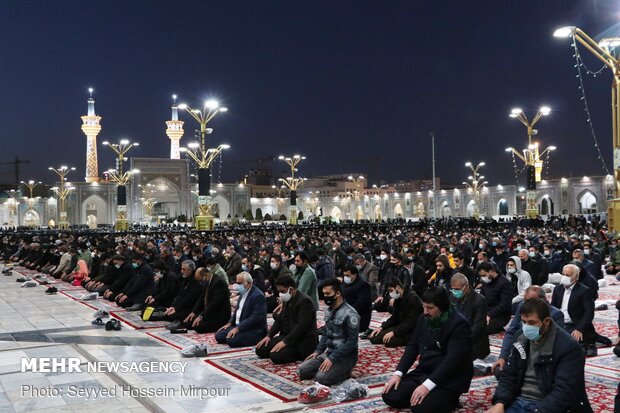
column 91, row 129
column 174, row 131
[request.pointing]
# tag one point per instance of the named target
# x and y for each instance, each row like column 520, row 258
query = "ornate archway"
column 336, row 213
column 32, row 218
column 167, row 197
column 94, row 206
column 420, row 210
column 378, row 215
column 398, row 211
column 445, row 210
column 471, row 208
column 587, row 203
column 502, row 207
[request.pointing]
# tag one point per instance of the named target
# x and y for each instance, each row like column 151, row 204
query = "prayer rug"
column 375, row 366
column 134, row 319
column 181, row 341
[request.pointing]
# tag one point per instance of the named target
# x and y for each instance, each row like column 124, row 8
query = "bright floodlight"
column 182, row 106
column 90, row 90
column 135, row 171
column 545, row 110
column 223, row 109
column 564, row 31
column 192, row 145
column 174, row 97
column 212, row 104
column 350, row 178
column 182, row 149
column 516, row 111
column 482, row 164
column 105, row 143
column 508, row 149
column 281, row 157
column 225, row 146
column 50, row 168
column 467, row 163
column 609, row 43
column 136, row 144
column 124, row 142
column 552, row 148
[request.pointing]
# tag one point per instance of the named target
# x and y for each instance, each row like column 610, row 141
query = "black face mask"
column 329, row 300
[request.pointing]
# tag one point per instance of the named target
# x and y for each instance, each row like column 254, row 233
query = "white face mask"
column 347, row 280
column 532, row 254
column 286, row 297
column 273, row 266
column 511, row 270
column 383, row 256
column 394, row 295
column 481, row 246
column 485, row 280
column 566, row 281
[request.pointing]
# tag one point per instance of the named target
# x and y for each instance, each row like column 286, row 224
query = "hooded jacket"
column 521, row 280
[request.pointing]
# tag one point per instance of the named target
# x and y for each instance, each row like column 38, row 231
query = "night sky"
column 341, row 82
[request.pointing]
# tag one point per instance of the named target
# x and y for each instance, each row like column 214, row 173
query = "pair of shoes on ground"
column 51, row 290
column 29, row 284
column 197, row 350
column 113, row 324
column 176, row 327
column 23, row 279
column 365, row 334
column 99, row 316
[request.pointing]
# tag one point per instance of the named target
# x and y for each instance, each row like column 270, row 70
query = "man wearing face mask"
column 189, row 291
column 576, row 302
column 398, row 329
column 233, row 263
column 368, row 272
column 498, row 291
column 545, row 369
column 443, row 341
column 529, row 265
column 139, row 286
column 500, row 258
column 397, row 271
column 212, row 266
column 474, row 307
column 212, row 309
column 356, row 292
column 336, row 354
column 257, row 273
column 293, row 335
column 166, row 286
column 519, row 278
column 248, row 323
column 514, row 328
column 305, row 278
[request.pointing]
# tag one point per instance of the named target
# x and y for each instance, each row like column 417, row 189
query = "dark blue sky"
column 339, row 81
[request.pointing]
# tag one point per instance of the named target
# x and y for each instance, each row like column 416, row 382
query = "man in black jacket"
column 462, row 267
column 497, row 289
column 545, row 369
column 293, row 336
column 140, row 286
column 118, row 279
column 395, row 270
column 356, row 292
column 212, row 309
column 189, row 292
column 474, row 307
column 575, row 300
column 442, row 339
column 397, row 330
column 166, row 285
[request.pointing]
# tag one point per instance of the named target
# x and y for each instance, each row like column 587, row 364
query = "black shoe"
column 617, row 350
column 113, row 324
column 51, row 290
column 603, row 340
column 321, row 331
column 591, row 351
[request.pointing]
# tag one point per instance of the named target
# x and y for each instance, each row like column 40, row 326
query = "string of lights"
column 579, row 64
column 547, row 164
column 514, row 164
column 219, row 172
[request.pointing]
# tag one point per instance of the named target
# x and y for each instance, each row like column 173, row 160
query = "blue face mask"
column 240, row 289
column 135, row 264
column 532, row 333
column 457, row 293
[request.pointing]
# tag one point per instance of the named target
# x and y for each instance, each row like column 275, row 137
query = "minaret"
column 174, row 130
column 91, row 128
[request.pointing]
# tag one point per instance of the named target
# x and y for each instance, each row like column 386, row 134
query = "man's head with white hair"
column 570, row 275
column 243, row 282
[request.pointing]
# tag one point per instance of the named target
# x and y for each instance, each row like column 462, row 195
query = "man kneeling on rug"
column 336, row 355
column 293, row 335
column 443, row 341
column 248, row 323
column 545, row 369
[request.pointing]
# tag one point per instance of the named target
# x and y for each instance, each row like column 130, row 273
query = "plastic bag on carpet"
column 350, row 390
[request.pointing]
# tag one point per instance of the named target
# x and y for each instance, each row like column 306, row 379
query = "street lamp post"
column 293, row 183
column 531, row 156
column 358, row 181
column 606, row 51
column 62, row 191
column 203, row 158
column 30, row 219
column 476, row 185
column 279, row 199
column 121, row 178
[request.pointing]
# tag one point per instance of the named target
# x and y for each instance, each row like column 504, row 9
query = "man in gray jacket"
column 337, row 352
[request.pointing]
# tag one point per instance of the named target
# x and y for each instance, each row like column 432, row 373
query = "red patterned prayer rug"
column 181, row 341
column 134, row 319
column 374, row 367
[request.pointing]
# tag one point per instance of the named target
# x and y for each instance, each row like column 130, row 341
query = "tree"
column 248, row 215
column 267, row 217
column 300, row 216
column 282, row 217
column 259, row 214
